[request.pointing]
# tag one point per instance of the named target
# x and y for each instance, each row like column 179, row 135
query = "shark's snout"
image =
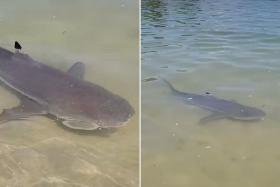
column 115, row 113
column 124, row 112
column 250, row 113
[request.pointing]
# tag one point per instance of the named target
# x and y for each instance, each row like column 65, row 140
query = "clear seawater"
column 104, row 35
column 232, row 50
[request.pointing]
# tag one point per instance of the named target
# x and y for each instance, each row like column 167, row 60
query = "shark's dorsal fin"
column 77, row 70
column 17, row 45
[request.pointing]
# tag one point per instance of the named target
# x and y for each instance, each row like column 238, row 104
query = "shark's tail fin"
column 169, row 85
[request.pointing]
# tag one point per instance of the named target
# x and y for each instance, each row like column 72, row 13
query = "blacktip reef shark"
column 220, row 108
column 64, row 96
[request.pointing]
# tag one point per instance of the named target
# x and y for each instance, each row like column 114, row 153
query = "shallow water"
column 103, row 35
column 227, row 48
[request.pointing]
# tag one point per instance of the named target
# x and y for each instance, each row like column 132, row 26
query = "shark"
column 219, row 108
column 64, row 96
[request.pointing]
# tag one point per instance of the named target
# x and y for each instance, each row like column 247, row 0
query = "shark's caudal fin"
column 77, row 70
column 169, row 85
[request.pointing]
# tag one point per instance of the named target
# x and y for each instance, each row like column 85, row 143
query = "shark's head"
column 115, row 113
column 110, row 113
column 249, row 114
column 96, row 109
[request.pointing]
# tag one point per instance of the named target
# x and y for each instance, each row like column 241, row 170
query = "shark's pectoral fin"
column 77, row 70
column 26, row 109
column 211, row 117
column 80, row 125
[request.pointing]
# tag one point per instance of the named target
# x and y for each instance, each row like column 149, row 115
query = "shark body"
column 219, row 108
column 65, row 96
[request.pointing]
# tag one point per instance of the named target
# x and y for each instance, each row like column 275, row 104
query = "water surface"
column 103, row 35
column 230, row 49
